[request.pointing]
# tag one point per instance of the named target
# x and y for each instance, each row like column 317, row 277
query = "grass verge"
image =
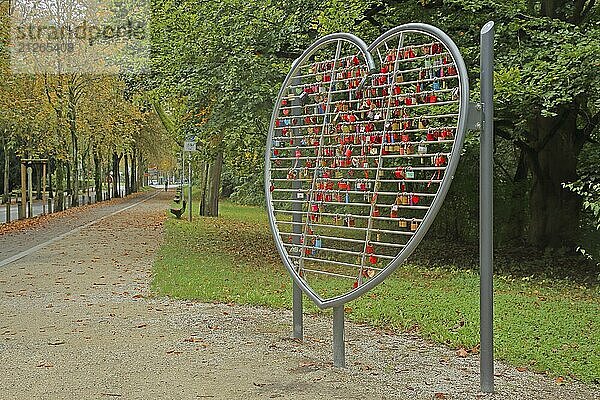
column 546, row 326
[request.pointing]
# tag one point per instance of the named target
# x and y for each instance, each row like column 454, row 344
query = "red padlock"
column 399, row 173
column 298, row 153
column 369, row 249
column 372, row 259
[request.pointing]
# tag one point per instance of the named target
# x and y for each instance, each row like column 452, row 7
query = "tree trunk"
column 514, row 230
column 38, row 181
column 60, row 188
column 133, row 180
column 68, row 166
column 6, row 188
column 142, row 168
column 202, row 186
column 554, row 210
column 214, row 186
column 126, row 175
column 116, row 180
column 98, row 175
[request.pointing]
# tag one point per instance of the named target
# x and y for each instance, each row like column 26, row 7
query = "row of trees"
column 87, row 124
column 217, row 67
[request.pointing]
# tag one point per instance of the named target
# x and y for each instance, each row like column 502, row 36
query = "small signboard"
column 189, row 145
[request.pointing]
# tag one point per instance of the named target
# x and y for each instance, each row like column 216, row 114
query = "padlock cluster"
column 357, row 158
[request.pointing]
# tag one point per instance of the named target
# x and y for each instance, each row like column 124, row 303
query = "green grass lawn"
column 551, row 327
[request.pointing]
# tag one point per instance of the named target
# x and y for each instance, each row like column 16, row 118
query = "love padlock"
column 414, row 225
column 430, row 136
column 440, row 160
column 399, row 173
column 394, row 211
column 402, row 223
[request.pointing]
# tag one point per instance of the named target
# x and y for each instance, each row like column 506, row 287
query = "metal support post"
column 486, row 208
column 339, row 349
column 44, row 188
column 297, row 229
column 190, row 186
column 8, row 210
column 297, row 312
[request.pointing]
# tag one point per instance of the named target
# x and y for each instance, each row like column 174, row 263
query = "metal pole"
column 44, row 188
column 486, row 209
column 190, row 187
column 297, row 229
column 297, row 312
column 339, row 351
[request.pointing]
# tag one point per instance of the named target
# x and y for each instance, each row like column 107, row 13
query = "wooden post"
column 23, row 190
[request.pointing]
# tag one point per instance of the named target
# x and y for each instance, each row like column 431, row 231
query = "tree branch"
column 541, row 144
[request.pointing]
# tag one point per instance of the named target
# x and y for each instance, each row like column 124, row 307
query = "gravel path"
column 77, row 321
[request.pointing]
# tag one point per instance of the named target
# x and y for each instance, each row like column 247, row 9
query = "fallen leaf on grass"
column 560, row 380
column 521, row 369
column 462, row 352
column 439, row 395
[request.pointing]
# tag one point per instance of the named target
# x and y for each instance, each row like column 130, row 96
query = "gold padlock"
column 414, row 225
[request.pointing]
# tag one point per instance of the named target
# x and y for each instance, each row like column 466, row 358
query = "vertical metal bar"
column 190, row 186
column 44, row 187
column 486, row 208
column 298, row 332
column 339, row 350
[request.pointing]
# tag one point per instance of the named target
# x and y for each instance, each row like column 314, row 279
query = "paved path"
column 77, row 321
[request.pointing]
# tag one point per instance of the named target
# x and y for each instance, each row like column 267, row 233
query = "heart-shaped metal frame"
column 414, row 241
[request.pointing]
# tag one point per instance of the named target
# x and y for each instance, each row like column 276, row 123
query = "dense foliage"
column 547, row 99
column 216, row 67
